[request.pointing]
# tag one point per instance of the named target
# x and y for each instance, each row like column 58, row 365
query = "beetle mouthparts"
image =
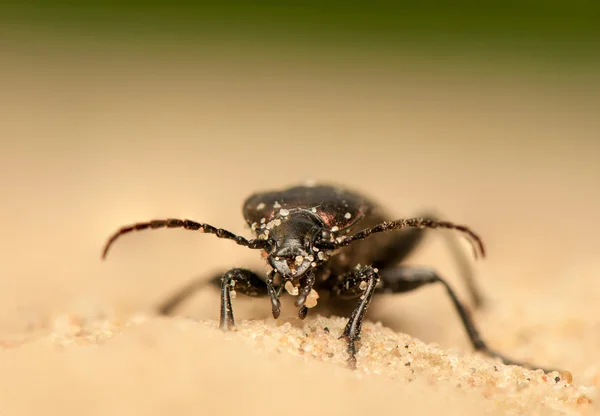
column 291, row 267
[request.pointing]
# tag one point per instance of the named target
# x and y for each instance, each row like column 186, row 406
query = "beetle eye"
column 326, row 235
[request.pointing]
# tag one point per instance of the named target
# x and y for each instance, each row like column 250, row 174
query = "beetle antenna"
column 188, row 225
column 475, row 240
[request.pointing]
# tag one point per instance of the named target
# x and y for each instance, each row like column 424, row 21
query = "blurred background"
column 112, row 113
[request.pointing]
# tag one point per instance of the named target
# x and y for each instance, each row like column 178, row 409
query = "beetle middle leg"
column 362, row 283
column 405, row 279
column 176, row 299
column 406, row 241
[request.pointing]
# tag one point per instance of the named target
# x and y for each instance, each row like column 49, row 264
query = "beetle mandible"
column 307, row 236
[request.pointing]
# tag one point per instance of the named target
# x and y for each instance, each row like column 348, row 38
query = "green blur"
column 554, row 30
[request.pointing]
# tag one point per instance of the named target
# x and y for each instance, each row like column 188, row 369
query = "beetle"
column 307, row 235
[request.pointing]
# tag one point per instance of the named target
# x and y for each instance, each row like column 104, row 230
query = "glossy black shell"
column 337, row 207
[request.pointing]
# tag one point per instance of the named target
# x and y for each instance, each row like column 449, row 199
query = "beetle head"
column 292, row 253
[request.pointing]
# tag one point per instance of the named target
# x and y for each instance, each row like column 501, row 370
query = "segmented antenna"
column 475, row 240
column 188, row 225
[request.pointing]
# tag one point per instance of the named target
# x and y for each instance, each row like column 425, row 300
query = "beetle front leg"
column 361, row 283
column 238, row 280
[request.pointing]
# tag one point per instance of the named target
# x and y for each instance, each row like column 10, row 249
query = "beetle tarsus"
column 302, row 312
column 352, row 350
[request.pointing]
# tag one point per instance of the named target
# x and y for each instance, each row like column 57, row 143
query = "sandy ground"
column 97, row 137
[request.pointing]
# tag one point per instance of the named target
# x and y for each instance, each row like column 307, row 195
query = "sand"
column 103, row 135
column 154, row 365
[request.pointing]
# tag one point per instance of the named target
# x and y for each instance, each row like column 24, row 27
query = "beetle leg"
column 362, row 283
column 172, row 302
column 239, row 280
column 407, row 240
column 405, row 279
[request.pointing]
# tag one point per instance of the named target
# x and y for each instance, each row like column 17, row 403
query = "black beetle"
column 305, row 235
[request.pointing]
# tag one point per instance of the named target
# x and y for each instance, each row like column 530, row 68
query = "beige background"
column 95, row 136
